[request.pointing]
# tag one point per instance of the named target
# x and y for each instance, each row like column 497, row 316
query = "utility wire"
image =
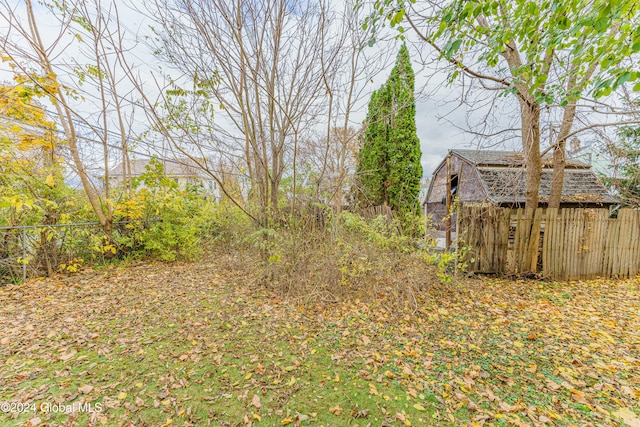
column 62, row 135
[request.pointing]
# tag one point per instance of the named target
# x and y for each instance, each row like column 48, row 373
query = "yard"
column 203, row 344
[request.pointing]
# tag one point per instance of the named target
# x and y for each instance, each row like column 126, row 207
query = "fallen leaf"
column 553, row 385
column 85, row 389
column 492, row 397
column 578, row 397
column 505, row 407
column 628, row 416
column 363, row 413
column 336, row 410
column 256, row 401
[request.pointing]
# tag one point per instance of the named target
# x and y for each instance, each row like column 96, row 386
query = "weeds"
column 348, row 258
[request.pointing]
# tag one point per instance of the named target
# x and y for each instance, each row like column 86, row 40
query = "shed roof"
column 508, row 158
column 508, row 185
column 502, row 175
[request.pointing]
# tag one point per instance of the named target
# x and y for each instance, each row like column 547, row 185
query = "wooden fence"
column 571, row 244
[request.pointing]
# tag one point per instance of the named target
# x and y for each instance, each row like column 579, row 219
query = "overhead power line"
column 62, row 135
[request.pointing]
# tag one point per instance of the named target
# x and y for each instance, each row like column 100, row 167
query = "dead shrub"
column 351, row 258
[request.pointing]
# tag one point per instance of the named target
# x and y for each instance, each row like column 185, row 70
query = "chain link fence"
column 41, row 250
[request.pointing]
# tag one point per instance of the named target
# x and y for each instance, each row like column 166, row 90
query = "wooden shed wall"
column 470, row 189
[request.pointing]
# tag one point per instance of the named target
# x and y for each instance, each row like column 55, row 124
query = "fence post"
column 24, row 255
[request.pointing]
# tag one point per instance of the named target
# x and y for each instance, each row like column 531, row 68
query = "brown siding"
column 469, row 189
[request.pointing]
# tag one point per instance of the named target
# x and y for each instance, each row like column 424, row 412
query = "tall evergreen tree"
column 389, row 166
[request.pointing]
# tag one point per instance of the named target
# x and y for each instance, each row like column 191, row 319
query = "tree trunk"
column 555, row 196
column 66, row 119
column 559, row 155
column 530, row 112
column 528, row 251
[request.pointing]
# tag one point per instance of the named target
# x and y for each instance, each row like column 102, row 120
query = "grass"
column 207, row 344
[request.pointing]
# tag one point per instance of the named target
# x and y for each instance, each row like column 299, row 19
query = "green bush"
column 168, row 222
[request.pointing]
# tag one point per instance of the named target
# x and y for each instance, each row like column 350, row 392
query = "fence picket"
column 577, row 243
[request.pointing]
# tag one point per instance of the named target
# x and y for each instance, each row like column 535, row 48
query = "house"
column 498, row 177
column 184, row 171
column 592, row 154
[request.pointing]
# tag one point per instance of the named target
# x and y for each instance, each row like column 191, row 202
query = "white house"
column 183, row 170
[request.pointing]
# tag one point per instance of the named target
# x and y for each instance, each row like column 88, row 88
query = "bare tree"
column 265, row 63
column 327, row 163
column 349, row 91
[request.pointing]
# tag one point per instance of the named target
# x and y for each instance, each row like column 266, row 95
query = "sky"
column 441, row 120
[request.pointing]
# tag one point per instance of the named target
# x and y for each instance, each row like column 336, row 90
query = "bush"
column 167, row 222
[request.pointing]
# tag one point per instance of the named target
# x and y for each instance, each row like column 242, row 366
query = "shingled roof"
column 491, row 157
column 509, row 158
column 502, row 175
column 504, row 185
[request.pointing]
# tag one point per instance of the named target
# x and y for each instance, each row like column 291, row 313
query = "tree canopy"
column 556, row 58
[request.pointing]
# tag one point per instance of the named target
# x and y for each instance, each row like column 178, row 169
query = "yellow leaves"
column 286, row 421
column 419, row 407
column 373, row 390
column 291, row 382
column 578, row 397
column 50, row 181
column 122, row 395
column 628, row 416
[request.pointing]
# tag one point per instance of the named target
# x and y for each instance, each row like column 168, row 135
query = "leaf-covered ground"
column 201, row 344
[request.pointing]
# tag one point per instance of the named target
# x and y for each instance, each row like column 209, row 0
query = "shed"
column 499, row 178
